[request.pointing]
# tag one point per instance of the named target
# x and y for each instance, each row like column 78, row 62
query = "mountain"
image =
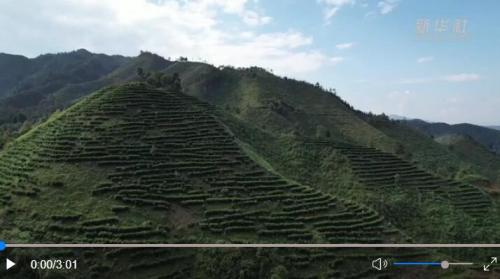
column 135, row 164
column 277, row 105
column 283, row 104
column 240, row 156
column 30, row 86
column 159, row 150
column 466, row 147
column 19, row 66
column 451, row 159
column 494, row 127
column 488, row 137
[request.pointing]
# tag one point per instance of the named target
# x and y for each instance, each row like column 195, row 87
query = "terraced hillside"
column 135, row 164
column 274, row 104
column 378, row 170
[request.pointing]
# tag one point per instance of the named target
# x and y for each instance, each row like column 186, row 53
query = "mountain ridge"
column 488, row 137
column 229, row 160
column 278, row 104
column 135, row 164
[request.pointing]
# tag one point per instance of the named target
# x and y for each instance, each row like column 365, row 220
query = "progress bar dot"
column 445, row 264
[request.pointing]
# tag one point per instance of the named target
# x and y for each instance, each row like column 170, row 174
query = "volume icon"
column 380, row 264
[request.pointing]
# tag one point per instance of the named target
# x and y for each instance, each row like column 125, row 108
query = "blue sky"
column 370, row 51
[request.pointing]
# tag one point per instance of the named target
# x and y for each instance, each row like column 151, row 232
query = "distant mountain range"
column 488, row 137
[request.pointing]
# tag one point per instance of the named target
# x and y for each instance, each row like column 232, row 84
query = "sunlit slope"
column 134, row 164
column 279, row 104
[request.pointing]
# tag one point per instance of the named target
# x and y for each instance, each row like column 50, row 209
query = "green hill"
column 445, row 158
column 163, row 149
column 134, row 164
column 29, row 86
column 19, row 67
column 466, row 147
column 242, row 156
column 377, row 170
column 279, row 105
column 285, row 105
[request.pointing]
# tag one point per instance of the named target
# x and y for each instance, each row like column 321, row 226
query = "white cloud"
column 462, row 77
column 387, row 6
column 252, row 18
column 333, row 6
column 344, row 46
column 425, row 59
column 278, row 51
column 170, row 28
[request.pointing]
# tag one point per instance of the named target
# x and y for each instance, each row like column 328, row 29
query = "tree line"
column 161, row 80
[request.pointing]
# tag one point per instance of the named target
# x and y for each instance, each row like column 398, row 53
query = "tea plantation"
column 133, row 164
column 377, row 170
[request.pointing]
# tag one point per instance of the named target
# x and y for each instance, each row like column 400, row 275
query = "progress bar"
column 417, row 263
column 279, row 245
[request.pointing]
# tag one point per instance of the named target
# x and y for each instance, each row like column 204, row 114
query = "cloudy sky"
column 435, row 60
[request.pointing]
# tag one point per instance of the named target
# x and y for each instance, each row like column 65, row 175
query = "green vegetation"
column 174, row 173
column 242, row 156
column 423, row 206
column 446, row 156
column 161, row 80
